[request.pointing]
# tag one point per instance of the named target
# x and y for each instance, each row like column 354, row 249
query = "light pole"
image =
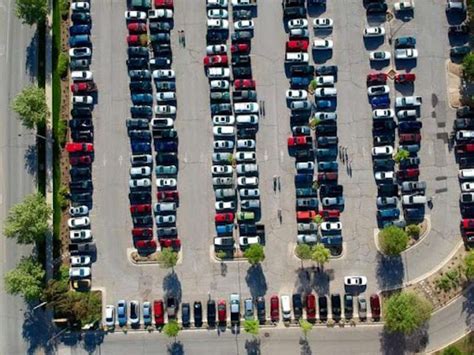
column 38, row 136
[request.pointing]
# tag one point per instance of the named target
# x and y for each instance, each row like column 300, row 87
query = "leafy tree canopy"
column 405, row 312
column 26, row 279
column 30, row 105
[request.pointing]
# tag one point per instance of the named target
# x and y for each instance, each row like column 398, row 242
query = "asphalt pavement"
column 17, row 159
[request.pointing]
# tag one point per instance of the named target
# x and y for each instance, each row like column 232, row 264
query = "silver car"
column 362, row 307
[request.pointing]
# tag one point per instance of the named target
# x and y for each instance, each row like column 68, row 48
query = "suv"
column 211, row 313
column 336, row 305
column 234, row 308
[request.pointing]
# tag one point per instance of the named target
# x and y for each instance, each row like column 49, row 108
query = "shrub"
column 63, row 64
column 63, row 197
column 393, row 240
column 64, row 8
column 62, row 132
column 413, row 230
column 406, row 312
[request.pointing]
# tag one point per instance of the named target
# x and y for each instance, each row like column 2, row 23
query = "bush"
column 452, row 350
column 64, row 8
column 413, row 230
column 63, row 197
column 468, row 67
column 400, row 155
column 406, row 312
column 469, row 265
column 393, row 240
column 62, row 132
column 63, row 64
column 449, row 280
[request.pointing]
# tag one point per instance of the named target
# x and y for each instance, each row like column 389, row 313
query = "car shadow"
column 256, row 281
column 407, row 65
column 390, row 271
column 405, row 89
column 372, row 43
column 31, row 61
column 321, row 56
column 31, row 161
column 379, row 65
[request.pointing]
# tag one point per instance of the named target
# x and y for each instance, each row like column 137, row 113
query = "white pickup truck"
column 407, row 101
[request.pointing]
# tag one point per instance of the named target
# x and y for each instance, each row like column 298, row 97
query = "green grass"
column 465, row 345
column 40, row 143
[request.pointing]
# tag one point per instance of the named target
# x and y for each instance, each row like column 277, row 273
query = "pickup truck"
column 407, row 101
column 80, row 248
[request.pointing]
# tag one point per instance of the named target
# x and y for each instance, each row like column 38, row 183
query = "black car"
column 336, row 305
column 249, row 132
column 81, row 112
column 458, row 29
column 197, row 307
column 331, row 190
column 326, row 130
column 242, row 15
column 82, row 136
column 186, row 314
column 141, row 112
column 377, row 8
column 167, row 232
column 326, row 70
column 383, row 164
column 466, row 162
column 387, row 190
column 297, row 306
column 166, row 158
column 464, row 112
column 304, row 154
column 138, row 197
column 244, row 95
column 214, row 37
column 80, row 185
column 348, row 306
column 211, row 313
column 161, row 48
column 79, row 172
column 136, row 123
column 242, row 36
column 383, row 125
column 218, row 109
column 411, row 162
column 165, row 86
column 81, row 198
column 79, row 64
column 294, row 12
column 159, row 26
column 80, row 17
column 409, row 126
column 302, row 70
column 326, row 141
column 78, row 123
column 142, row 220
column 242, row 72
column 323, row 308
column 165, row 133
column 242, row 59
column 137, row 63
column 384, row 139
column 140, row 134
column 463, row 123
column 293, row 3
column 261, row 309
column 138, row 51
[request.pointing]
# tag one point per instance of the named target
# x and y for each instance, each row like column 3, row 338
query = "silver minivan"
column 164, row 207
column 248, row 309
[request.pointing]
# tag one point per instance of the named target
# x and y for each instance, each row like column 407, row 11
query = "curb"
column 151, row 262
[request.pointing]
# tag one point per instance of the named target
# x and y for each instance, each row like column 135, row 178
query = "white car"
column 80, row 260
column 110, row 315
column 82, row 100
column 165, row 96
column 306, row 238
column 80, row 235
column 80, row 6
column 160, row 13
column 379, row 55
column 78, row 222
column 378, row 90
column 217, row 13
column 243, row 25
column 247, row 181
column 247, row 169
column 247, row 119
column 384, row 175
column 225, row 205
column 217, row 72
column 355, row 280
column 383, row 150
column 217, row 3
column 322, row 44
column 245, row 156
column 323, row 22
column 296, row 94
column 246, row 144
column 225, row 145
column 386, row 201
column 135, row 15
column 299, row 33
column 223, row 120
column 165, row 182
column 406, row 53
column 80, row 52
column 417, row 199
column 221, row 170
column 217, row 24
column 374, row 31
column 304, row 165
column 223, row 181
column 407, row 114
column 223, row 131
column 331, row 226
column 161, row 123
column 221, row 157
column 301, row 57
column 325, row 80
column 81, row 75
column 243, row 2
column 134, row 316
column 165, row 109
column 383, row 113
column 159, row 62
column 467, row 187
column 165, row 219
column 164, row 74
column 216, row 49
column 464, row 135
column 249, row 193
column 326, row 116
column 404, row 5
column 407, row 101
column 246, row 241
column 79, row 272
column 298, row 23
column 79, row 211
column 140, row 171
column 219, row 84
column 326, row 92
column 300, row 105
column 139, row 183
column 246, row 107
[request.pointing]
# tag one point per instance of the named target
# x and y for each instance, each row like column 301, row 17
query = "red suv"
column 79, row 147
column 375, row 306
column 303, row 216
column 142, row 232
column 170, row 243
column 274, row 308
column 224, row 217
column 164, row 4
column 158, row 310
column 376, row 78
column 137, row 27
column 167, row 196
column 240, row 48
column 221, row 311
column 137, row 209
column 297, row 46
column 330, row 214
column 146, row 245
column 409, row 138
column 405, row 78
column 299, row 140
column 240, row 84
column 311, row 307
column 408, row 173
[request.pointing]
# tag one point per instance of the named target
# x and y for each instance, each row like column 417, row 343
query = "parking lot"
column 198, row 275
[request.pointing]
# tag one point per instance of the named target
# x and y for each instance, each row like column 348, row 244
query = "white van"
column 286, row 308
column 297, row 57
column 414, row 199
column 218, row 72
column 466, row 174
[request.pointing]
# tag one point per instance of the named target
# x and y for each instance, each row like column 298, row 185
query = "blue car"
column 248, row 229
column 380, row 101
column 414, row 214
column 79, row 30
column 142, row 99
column 141, row 111
column 409, row 126
column 405, row 42
column 390, row 213
column 122, row 313
column 141, row 148
column 325, row 104
column 298, row 81
column 306, row 192
column 79, row 41
column 332, row 240
column 327, row 166
column 327, row 141
column 166, row 146
column 326, row 153
column 384, row 164
column 225, row 229
column 303, row 179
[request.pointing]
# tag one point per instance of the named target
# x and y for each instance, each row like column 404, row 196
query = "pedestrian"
column 184, row 38
column 274, row 183
column 279, row 184
column 345, row 154
column 339, row 149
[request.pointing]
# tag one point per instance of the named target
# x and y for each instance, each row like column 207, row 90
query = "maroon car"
column 375, row 306
column 274, row 309
column 376, row 78
column 405, row 78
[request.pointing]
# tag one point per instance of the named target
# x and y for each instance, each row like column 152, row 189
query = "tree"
column 31, row 105
column 320, row 254
column 413, row 230
column 318, row 219
column 314, row 122
column 468, row 67
column 168, row 258
column 255, row 254
column 26, row 279
column 393, row 240
column 304, row 252
column 312, row 85
column 305, row 326
column 63, row 64
column 27, row 221
column 171, row 329
column 469, row 265
column 405, row 312
column 251, row 326
column 32, row 11
column 401, row 154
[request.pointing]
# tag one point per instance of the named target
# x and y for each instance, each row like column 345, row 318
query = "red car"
column 405, row 78
column 170, row 243
column 168, row 4
column 303, row 216
column 467, row 223
column 142, row 232
column 311, row 307
column 375, row 306
column 224, row 217
column 158, row 310
column 240, row 48
column 214, row 60
column 409, row 138
column 330, row 214
column 79, row 147
column 240, row 84
column 465, row 148
column 81, row 160
column 167, row 196
column 221, row 311
column 327, row 177
column 376, row 78
column 137, row 40
column 136, row 27
column 408, row 173
column 146, row 245
column 297, row 46
column 83, row 87
column 274, row 309
column 298, row 140
column 137, row 209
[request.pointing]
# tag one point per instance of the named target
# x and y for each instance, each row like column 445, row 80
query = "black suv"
column 323, row 308
column 261, row 310
column 302, row 70
column 211, row 313
column 197, row 314
column 297, row 306
column 336, row 305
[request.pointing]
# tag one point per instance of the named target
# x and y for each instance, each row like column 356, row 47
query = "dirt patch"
column 144, row 259
column 454, row 78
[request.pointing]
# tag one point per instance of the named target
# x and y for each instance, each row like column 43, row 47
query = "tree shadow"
column 31, row 160
column 38, row 331
column 303, row 281
column 175, row 348
column 92, row 340
column 321, row 282
column 305, row 347
column 256, row 281
column 397, row 343
column 253, row 346
column 390, row 271
column 31, row 66
column 468, row 307
column 172, row 286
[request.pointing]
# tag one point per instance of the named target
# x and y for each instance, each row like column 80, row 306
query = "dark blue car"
column 380, row 101
column 332, row 240
column 166, row 146
column 325, row 104
column 327, row 166
column 142, row 99
column 299, row 81
column 141, row 148
column 79, row 30
column 141, row 111
column 303, row 179
column 326, row 153
column 409, row 126
column 390, row 213
column 79, row 41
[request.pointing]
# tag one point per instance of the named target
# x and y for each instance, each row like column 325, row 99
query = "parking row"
column 149, row 62
column 235, row 120
column 81, row 147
